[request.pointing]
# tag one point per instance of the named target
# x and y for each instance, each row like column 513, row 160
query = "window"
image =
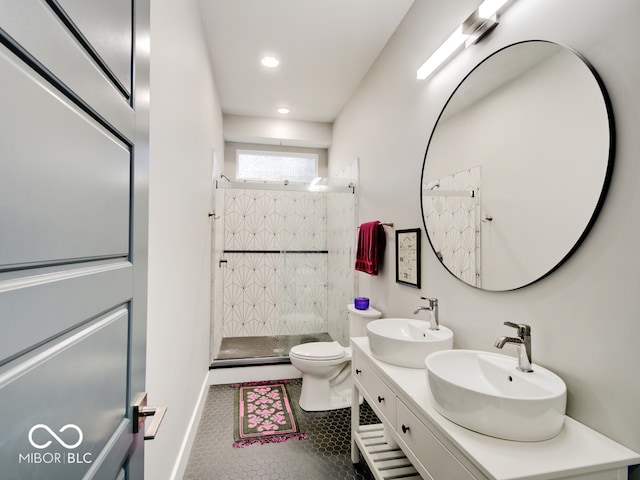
column 276, row 166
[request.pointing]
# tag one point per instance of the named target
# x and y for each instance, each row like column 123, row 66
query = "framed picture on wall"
column 408, row 257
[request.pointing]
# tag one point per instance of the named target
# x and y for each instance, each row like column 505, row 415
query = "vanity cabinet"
column 414, row 441
column 427, row 449
column 377, row 392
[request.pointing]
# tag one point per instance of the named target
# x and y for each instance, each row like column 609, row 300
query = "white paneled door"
column 73, row 236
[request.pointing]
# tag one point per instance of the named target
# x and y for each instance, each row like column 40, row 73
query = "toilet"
column 326, row 366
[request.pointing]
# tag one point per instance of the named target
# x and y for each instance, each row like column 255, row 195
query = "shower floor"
column 272, row 349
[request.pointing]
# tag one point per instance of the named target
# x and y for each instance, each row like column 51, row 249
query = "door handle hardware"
column 358, row 371
column 380, row 399
column 405, row 429
column 141, row 411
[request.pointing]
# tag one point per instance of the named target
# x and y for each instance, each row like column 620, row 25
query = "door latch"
column 140, row 413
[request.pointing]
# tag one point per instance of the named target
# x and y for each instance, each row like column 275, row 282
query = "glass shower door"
column 271, row 264
column 303, row 309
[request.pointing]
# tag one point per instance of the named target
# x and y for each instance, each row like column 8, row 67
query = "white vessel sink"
column 485, row 392
column 406, row 342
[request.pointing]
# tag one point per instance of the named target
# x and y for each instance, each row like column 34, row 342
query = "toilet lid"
column 319, row 351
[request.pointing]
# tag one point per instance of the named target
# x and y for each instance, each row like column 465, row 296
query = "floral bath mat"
column 263, row 414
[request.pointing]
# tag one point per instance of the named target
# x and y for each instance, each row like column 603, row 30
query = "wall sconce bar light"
column 476, row 26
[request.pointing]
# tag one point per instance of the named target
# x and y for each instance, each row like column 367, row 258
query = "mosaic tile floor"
column 324, row 455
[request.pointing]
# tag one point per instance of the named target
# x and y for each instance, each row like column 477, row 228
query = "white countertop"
column 577, row 449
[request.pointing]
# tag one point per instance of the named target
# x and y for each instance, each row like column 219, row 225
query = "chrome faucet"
column 433, row 309
column 523, row 342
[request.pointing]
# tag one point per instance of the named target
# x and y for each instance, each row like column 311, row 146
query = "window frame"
column 274, row 153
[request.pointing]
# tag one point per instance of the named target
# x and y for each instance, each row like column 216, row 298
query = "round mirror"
column 517, row 166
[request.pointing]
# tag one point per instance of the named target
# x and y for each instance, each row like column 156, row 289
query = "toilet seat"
column 318, row 351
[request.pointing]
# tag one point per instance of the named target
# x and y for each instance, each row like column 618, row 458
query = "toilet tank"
column 358, row 320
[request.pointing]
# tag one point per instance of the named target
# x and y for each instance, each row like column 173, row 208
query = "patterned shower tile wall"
column 341, row 239
column 453, row 222
column 274, row 220
column 271, row 293
column 262, row 296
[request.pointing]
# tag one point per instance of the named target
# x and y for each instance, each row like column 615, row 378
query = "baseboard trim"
column 185, row 449
column 253, row 373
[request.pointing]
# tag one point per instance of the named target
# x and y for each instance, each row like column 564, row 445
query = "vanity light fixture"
column 270, row 62
column 476, row 26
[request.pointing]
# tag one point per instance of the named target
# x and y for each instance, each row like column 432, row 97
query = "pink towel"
column 371, row 244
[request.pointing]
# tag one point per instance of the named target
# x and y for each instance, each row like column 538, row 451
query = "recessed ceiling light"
column 270, row 62
column 284, row 111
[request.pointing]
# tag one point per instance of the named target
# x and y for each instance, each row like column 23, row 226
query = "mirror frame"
column 606, row 180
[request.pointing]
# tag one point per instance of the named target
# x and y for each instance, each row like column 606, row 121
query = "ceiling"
column 325, row 48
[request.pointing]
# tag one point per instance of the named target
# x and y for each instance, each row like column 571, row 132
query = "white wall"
column 186, row 125
column 584, row 317
column 296, row 133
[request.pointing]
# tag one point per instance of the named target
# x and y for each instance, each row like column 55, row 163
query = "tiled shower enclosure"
column 451, row 208
column 278, row 256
